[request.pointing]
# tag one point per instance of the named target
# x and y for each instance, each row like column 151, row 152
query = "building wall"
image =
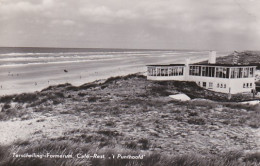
column 242, row 85
column 224, row 85
column 212, row 83
column 165, row 78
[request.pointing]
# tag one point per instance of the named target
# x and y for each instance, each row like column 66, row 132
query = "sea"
column 14, row 56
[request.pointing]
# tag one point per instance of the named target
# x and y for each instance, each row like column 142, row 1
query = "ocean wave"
column 79, row 53
column 24, row 63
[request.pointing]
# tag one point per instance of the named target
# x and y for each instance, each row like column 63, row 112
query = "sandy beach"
column 35, row 77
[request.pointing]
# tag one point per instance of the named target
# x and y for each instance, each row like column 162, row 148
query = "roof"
column 167, row 65
column 225, row 65
column 204, row 64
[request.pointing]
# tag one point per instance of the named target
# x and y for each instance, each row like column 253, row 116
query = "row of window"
column 219, row 85
column 166, row 71
column 221, row 72
column 248, row 85
column 222, row 85
column 242, row 72
column 210, row 85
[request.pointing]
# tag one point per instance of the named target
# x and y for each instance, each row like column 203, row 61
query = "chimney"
column 187, row 61
column 212, row 57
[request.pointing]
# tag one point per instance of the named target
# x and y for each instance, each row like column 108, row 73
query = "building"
column 225, row 78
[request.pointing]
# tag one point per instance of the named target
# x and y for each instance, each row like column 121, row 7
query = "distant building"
column 225, row 78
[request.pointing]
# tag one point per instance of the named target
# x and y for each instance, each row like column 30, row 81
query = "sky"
column 149, row 24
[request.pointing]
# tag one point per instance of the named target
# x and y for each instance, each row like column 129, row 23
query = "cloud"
column 25, row 6
column 68, row 22
column 105, row 14
column 61, row 22
column 178, row 22
column 99, row 13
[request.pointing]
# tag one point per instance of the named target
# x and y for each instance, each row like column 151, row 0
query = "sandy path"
column 14, row 130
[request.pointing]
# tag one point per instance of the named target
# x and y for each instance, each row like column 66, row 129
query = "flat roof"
column 225, row 65
column 205, row 64
column 167, row 65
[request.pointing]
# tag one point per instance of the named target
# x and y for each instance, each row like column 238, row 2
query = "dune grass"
column 149, row 159
column 136, row 103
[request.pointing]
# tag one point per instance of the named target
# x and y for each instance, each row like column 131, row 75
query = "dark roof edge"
column 168, row 65
column 225, row 65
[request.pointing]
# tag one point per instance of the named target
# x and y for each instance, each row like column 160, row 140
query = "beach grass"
column 111, row 156
column 131, row 115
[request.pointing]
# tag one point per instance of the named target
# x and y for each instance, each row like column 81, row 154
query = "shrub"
column 108, row 133
column 254, row 124
column 26, row 97
column 160, row 90
column 253, row 157
column 6, row 106
column 81, row 94
column 87, row 86
column 144, row 143
column 196, row 121
column 189, row 160
column 59, row 94
column 193, row 114
column 93, row 99
column 112, row 79
column 110, row 123
column 6, row 99
column 179, row 118
column 230, row 156
column 131, row 145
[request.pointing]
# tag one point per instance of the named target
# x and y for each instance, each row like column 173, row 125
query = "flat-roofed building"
column 225, row 78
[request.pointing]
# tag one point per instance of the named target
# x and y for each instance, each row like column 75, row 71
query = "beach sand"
column 35, row 77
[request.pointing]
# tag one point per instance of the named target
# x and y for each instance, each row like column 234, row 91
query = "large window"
column 242, row 72
column 246, row 72
column 222, row 72
column 151, row 71
column 195, row 70
column 170, row 71
column 251, row 72
column 165, row 71
column 180, row 70
column 177, row 71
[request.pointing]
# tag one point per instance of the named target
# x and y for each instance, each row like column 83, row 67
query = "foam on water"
column 32, row 57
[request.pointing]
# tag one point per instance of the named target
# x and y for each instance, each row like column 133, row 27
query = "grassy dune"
column 130, row 115
column 232, row 158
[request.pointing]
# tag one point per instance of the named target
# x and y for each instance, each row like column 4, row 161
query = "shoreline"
column 31, row 78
